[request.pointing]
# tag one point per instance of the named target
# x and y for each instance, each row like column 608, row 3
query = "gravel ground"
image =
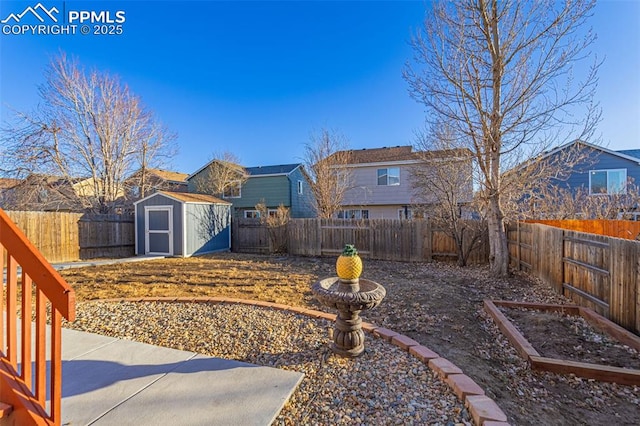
column 385, row 385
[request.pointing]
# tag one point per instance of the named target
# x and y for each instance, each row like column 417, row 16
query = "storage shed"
column 182, row 224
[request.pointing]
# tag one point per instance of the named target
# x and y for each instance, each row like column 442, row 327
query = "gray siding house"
column 181, row 224
column 286, row 185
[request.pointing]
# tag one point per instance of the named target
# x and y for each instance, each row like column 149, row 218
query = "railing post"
column 12, row 294
column 26, row 328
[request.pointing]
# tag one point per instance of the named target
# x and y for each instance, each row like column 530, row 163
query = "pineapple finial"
column 349, row 250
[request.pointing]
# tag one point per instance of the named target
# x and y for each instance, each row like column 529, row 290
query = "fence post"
column 518, row 248
column 427, row 235
column 562, row 255
column 319, row 239
column 623, row 309
column 638, row 295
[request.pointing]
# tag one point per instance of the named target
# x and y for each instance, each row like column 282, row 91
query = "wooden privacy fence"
column 596, row 271
column 65, row 237
column 106, row 236
column 627, row 229
column 383, row 239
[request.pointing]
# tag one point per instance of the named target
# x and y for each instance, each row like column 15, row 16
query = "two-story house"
column 286, row 185
column 381, row 182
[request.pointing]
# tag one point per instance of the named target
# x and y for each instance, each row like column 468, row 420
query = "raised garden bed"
column 598, row 354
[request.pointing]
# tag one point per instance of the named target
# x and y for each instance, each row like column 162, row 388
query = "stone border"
column 483, row 410
column 605, row 373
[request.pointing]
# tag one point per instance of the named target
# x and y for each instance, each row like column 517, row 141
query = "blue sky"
column 255, row 78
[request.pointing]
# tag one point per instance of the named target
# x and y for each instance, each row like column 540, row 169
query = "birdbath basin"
column 349, row 297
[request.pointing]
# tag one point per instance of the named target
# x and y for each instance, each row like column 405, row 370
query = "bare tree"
column 326, row 160
column 276, row 222
column 443, row 186
column 88, row 125
column 222, row 177
column 500, row 73
column 558, row 202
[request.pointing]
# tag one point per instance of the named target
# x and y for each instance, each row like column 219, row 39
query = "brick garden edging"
column 624, row 376
column 484, row 410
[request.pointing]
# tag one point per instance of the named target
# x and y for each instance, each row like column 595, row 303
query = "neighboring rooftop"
column 7, row 183
column 381, row 155
column 398, row 153
column 169, row 175
column 630, row 152
column 282, row 169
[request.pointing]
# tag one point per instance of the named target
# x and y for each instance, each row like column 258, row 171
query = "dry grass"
column 272, row 279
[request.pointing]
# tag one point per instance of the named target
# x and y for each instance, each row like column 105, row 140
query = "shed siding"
column 160, row 200
column 207, row 228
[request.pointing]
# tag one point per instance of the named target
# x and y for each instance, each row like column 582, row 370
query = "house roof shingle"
column 282, row 169
column 169, row 175
column 382, row 155
column 398, row 153
column 630, row 152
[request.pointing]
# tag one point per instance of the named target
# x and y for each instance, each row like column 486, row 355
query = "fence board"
column 383, row 239
column 54, row 234
column 624, row 284
column 249, row 236
column 106, row 236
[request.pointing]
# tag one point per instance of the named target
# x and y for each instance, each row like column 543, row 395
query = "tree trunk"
column 499, row 250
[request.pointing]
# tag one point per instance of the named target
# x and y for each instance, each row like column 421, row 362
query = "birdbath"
column 350, row 295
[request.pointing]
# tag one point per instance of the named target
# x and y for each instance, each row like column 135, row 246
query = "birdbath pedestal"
column 349, row 297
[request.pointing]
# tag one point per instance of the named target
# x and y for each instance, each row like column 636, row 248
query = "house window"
column 251, row 214
column 389, row 176
column 608, row 181
column 353, row 214
column 405, row 213
column 300, row 187
column 233, row 190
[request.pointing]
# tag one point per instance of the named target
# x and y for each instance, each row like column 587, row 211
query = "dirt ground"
column 571, row 338
column 439, row 305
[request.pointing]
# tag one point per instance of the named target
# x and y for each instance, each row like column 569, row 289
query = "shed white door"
column 159, row 230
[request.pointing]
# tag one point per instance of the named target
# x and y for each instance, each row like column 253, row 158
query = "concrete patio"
column 108, row 381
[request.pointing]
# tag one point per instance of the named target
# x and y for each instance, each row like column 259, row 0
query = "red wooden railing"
column 52, row 295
